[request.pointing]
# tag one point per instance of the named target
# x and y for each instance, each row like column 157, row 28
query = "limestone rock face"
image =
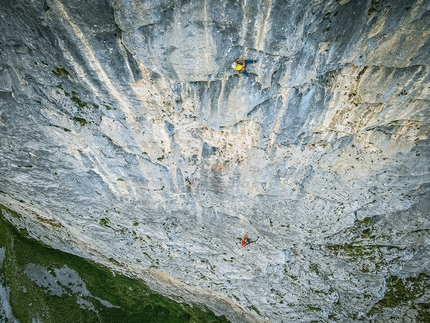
column 126, row 137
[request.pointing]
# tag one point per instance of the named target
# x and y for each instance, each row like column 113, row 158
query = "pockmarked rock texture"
column 127, row 138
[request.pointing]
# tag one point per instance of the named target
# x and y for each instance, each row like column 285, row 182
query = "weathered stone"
column 126, row 135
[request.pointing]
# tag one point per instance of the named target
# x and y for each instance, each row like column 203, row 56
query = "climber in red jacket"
column 245, row 241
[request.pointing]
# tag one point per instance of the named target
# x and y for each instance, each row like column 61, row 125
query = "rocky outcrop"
column 127, row 138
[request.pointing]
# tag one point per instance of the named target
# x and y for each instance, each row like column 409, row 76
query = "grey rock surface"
column 126, row 138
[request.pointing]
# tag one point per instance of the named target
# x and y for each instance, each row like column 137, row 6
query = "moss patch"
column 80, row 120
column 104, row 222
column 60, row 71
column 407, row 292
column 77, row 101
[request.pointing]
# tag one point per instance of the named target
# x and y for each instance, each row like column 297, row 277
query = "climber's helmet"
column 233, row 65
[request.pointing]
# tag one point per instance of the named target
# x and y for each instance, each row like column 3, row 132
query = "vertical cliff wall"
column 127, row 138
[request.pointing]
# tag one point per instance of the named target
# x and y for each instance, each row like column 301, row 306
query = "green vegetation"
column 354, row 252
column 405, row 292
column 252, row 307
column 368, row 257
column 112, row 297
column 364, row 222
column 77, row 101
column 74, row 95
column 60, row 71
column 314, row 268
column 105, row 222
column 80, row 120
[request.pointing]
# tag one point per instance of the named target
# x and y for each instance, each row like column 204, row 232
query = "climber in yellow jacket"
column 240, row 65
